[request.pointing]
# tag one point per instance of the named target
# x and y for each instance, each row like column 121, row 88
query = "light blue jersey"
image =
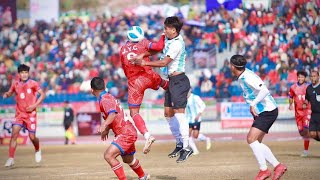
column 251, row 84
column 176, row 50
column 195, row 106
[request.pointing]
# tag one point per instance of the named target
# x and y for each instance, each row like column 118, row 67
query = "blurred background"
column 67, row 42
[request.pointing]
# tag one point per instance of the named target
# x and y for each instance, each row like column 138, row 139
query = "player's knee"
column 195, row 135
column 127, row 161
column 251, row 139
column 134, row 111
column 313, row 135
column 32, row 137
column 14, row 136
column 167, row 115
column 303, row 133
column 108, row 157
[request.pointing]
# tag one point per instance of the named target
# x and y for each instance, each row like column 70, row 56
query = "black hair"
column 239, row 62
column 303, row 73
column 23, row 67
column 174, row 22
column 97, row 83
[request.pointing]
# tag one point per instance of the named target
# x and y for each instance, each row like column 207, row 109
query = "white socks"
column 147, row 135
column 175, row 128
column 263, row 153
column 184, row 128
column 193, row 145
column 258, row 152
column 269, row 155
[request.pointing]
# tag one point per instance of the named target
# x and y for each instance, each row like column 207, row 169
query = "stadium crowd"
column 64, row 56
column 277, row 42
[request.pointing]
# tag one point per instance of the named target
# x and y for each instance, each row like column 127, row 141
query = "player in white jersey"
column 264, row 111
column 194, row 110
column 173, row 59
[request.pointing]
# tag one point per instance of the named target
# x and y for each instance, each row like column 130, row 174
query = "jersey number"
column 131, row 55
column 301, row 97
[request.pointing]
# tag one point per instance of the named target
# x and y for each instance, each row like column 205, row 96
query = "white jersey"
column 251, row 85
column 175, row 49
column 195, row 106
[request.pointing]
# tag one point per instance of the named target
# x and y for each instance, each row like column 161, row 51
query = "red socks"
column 136, row 167
column 140, row 124
column 12, row 150
column 118, row 170
column 306, row 144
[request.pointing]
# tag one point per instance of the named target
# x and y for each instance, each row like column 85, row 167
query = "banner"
column 88, row 123
column 44, row 10
column 6, row 132
column 8, row 12
column 256, row 3
column 235, row 115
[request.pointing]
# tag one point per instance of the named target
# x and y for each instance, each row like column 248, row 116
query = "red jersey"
column 26, row 95
column 108, row 104
column 130, row 50
column 298, row 93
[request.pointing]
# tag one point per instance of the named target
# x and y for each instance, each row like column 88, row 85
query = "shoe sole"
column 266, row 177
column 181, row 161
column 147, row 147
column 9, row 166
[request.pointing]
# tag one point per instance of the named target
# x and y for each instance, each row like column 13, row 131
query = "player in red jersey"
column 26, row 113
column 297, row 96
column 139, row 79
column 125, row 132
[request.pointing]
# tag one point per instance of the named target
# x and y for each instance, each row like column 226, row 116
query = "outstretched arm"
column 10, row 92
column 157, row 46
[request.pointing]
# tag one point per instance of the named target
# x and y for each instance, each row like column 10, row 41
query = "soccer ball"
column 135, row 34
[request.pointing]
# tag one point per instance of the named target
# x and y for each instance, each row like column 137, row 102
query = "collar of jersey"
column 242, row 74
column 25, row 81
column 316, row 85
column 175, row 38
column 101, row 94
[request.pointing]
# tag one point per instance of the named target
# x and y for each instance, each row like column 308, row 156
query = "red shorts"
column 125, row 142
column 303, row 122
column 137, row 86
column 29, row 121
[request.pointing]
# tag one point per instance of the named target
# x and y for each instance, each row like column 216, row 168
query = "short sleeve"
column 255, row 82
column 13, row 87
column 36, row 86
column 291, row 92
column 108, row 105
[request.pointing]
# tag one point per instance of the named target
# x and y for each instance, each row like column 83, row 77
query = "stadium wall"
column 218, row 117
